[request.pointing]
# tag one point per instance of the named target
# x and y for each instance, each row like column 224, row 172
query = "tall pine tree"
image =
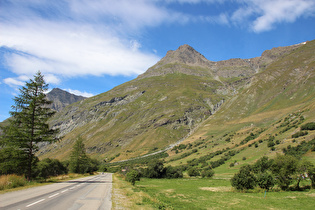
column 79, row 161
column 28, row 125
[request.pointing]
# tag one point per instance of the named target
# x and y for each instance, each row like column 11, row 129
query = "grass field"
column 197, row 193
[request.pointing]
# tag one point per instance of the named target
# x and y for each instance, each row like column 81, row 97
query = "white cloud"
column 79, row 93
column 264, row 15
column 52, row 79
column 71, row 50
column 13, row 82
column 75, row 38
column 77, row 42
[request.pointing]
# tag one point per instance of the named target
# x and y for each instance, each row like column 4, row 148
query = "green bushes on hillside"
column 283, row 171
column 308, row 126
column 300, row 149
column 300, row 133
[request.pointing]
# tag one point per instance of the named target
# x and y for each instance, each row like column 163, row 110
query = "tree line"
column 284, row 171
column 26, row 128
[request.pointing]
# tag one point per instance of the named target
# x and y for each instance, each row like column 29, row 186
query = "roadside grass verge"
column 13, row 182
column 126, row 196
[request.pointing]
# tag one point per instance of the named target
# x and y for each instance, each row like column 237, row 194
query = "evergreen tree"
column 28, row 125
column 79, row 161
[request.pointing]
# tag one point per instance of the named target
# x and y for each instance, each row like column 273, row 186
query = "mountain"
column 187, row 98
column 61, row 99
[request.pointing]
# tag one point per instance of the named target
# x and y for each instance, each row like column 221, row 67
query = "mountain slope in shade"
column 61, row 99
column 181, row 94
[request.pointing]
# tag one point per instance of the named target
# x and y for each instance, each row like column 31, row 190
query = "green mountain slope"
column 185, row 94
column 271, row 108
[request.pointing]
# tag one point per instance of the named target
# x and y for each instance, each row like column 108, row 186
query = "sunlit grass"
column 200, row 193
column 12, row 181
column 126, row 196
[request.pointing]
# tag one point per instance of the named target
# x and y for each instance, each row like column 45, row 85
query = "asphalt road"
column 90, row 193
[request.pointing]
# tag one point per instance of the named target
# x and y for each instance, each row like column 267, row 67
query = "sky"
column 87, row 47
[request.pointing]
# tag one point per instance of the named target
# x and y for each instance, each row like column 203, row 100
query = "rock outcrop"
column 61, row 99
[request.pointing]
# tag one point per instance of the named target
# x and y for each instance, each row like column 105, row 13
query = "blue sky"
column 88, row 47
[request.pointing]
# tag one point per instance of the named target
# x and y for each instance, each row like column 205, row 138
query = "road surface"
column 90, row 193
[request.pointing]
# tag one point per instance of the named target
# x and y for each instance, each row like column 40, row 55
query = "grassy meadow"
column 217, row 193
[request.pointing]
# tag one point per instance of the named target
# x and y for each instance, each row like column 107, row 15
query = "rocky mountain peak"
column 182, row 60
column 185, row 54
column 61, row 98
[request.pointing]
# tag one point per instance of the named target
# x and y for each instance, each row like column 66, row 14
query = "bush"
column 133, row 176
column 265, row 181
column 244, row 179
column 193, row 171
column 270, row 144
column 300, row 133
column 155, row 169
column 50, row 167
column 207, row 173
column 173, row 172
column 308, row 126
column 300, row 149
column 12, row 181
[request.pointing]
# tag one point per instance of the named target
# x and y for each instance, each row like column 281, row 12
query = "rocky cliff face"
column 61, row 99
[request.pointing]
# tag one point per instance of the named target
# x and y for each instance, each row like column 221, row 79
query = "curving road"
column 90, row 193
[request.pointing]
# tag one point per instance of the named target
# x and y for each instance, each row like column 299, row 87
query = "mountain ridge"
column 61, row 98
column 187, row 60
column 168, row 102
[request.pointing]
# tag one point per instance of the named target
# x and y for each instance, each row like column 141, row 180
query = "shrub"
column 265, row 181
column 173, row 172
column 132, row 176
column 308, row 126
column 193, row 171
column 300, row 133
column 155, row 169
column 244, row 179
column 270, row 144
column 12, row 181
column 207, row 173
column 50, row 167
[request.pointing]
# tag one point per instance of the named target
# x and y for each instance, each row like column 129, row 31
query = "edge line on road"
column 34, row 203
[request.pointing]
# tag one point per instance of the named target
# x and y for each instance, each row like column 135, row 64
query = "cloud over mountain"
column 78, row 38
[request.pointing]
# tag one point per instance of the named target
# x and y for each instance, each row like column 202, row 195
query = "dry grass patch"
column 217, row 189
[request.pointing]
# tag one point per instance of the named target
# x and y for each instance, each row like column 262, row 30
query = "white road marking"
column 34, row 203
column 53, row 195
column 64, row 191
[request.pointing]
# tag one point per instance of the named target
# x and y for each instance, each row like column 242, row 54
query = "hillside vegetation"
column 188, row 99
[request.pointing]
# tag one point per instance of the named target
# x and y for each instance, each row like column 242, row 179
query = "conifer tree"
column 28, row 124
column 79, row 161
